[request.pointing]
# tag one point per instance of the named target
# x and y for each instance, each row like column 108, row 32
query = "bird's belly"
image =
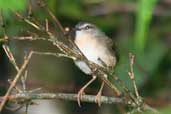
column 90, row 47
column 83, row 66
column 92, row 53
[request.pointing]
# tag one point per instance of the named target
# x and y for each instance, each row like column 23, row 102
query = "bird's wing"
column 111, row 46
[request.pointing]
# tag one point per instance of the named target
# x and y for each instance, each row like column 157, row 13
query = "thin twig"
column 18, row 75
column 54, row 54
column 23, row 80
column 131, row 74
column 132, row 98
column 10, row 56
column 3, row 40
column 15, row 87
column 30, row 38
column 27, row 21
column 30, row 12
column 55, row 20
column 3, row 25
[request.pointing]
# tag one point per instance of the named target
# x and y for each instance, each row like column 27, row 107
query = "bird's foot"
column 98, row 98
column 80, row 95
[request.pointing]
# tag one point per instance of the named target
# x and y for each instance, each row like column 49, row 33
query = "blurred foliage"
column 7, row 6
column 144, row 15
column 138, row 31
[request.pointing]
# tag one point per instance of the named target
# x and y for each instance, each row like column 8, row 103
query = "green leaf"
column 144, row 16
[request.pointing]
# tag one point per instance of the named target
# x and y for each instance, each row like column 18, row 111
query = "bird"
column 98, row 48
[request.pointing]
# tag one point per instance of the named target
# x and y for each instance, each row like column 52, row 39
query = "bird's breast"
column 89, row 48
column 93, row 50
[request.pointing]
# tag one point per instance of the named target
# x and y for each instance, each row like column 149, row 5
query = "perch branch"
column 22, row 97
column 65, row 96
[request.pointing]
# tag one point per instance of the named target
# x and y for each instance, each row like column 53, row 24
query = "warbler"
column 97, row 47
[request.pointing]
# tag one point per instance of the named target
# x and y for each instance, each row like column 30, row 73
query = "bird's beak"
column 76, row 29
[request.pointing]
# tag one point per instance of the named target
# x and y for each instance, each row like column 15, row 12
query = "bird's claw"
column 98, row 99
column 79, row 96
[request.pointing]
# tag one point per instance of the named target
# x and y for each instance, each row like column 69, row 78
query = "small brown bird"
column 97, row 48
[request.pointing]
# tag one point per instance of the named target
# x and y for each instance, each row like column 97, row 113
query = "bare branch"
column 10, row 56
column 30, row 38
column 3, row 40
column 30, row 12
column 54, row 54
column 21, row 97
column 131, row 74
column 18, row 75
column 65, row 96
column 27, row 21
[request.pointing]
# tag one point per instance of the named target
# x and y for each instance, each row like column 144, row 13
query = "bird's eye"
column 87, row 27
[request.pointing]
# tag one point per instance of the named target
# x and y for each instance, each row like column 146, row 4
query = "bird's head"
column 86, row 28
